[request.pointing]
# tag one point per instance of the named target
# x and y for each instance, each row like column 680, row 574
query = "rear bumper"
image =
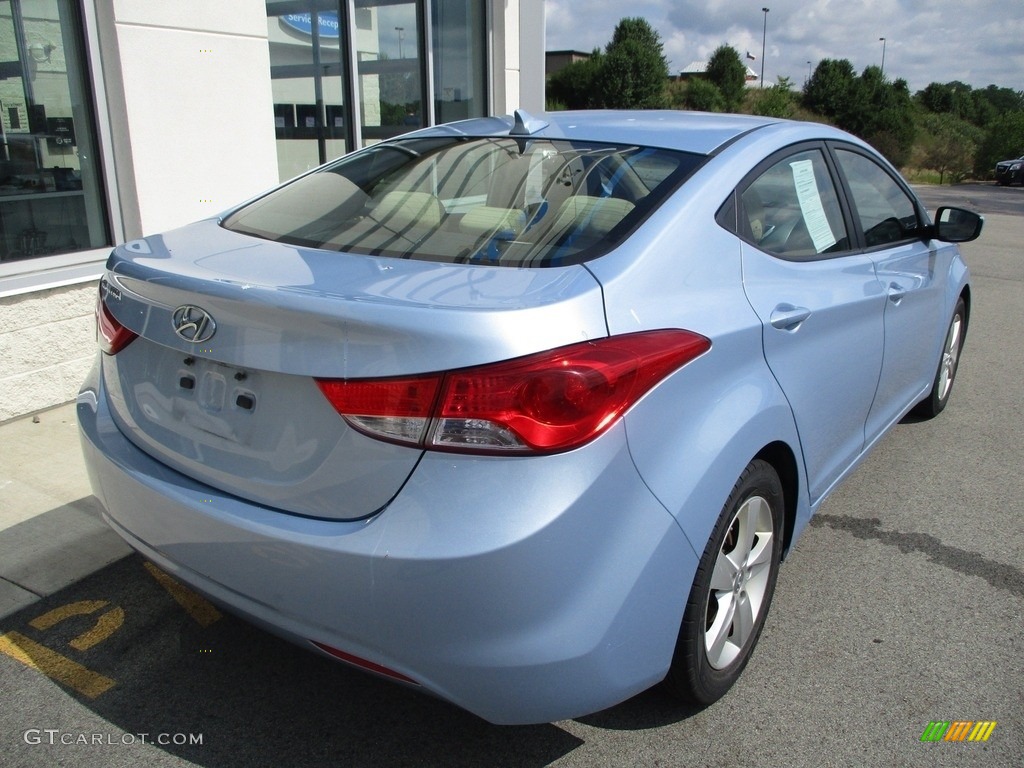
column 520, row 589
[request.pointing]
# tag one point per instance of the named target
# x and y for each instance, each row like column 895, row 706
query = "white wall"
column 518, row 55
column 47, row 343
column 194, row 105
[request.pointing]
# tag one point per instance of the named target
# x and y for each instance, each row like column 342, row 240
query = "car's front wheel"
column 732, row 589
column 942, row 385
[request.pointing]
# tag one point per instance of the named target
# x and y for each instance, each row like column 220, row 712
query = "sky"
column 978, row 42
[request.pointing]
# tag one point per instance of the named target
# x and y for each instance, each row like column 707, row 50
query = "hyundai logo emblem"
column 193, row 324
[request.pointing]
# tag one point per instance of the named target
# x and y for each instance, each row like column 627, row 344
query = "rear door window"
column 791, row 209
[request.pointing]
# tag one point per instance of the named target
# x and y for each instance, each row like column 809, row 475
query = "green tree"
column 634, row 72
column 869, row 106
column 830, row 88
column 1004, row 138
column 574, row 86
column 964, row 104
column 1003, row 99
column 951, row 144
column 703, row 96
column 727, row 72
column 975, row 105
column 775, row 101
column 936, row 97
column 639, row 31
column 984, row 111
column 631, row 73
column 882, row 113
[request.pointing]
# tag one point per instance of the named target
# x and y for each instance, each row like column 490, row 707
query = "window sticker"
column 810, row 205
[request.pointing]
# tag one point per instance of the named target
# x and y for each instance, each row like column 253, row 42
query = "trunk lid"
column 237, row 406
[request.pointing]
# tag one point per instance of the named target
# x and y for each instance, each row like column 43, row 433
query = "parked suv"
column 1010, row 171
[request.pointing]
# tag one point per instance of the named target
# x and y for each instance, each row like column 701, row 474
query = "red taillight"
column 393, row 409
column 547, row 402
column 110, row 334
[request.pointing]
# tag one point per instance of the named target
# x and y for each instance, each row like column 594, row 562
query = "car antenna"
column 525, row 125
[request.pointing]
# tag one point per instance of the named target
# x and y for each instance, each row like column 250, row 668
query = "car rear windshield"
column 503, row 201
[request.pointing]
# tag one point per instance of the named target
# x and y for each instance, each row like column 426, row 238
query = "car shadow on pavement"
column 122, row 646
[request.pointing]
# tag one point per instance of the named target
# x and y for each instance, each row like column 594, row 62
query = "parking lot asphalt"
column 901, row 606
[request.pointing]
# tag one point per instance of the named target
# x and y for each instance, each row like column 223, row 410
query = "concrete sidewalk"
column 51, row 533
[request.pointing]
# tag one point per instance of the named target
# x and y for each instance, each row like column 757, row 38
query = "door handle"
column 786, row 317
column 896, row 293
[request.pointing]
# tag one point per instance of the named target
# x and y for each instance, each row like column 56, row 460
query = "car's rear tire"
column 942, row 385
column 732, row 590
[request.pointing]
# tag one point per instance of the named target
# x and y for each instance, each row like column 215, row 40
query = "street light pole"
column 764, row 36
column 808, row 71
column 882, row 41
column 401, row 36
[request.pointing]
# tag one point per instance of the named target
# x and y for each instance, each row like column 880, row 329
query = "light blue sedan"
column 524, row 412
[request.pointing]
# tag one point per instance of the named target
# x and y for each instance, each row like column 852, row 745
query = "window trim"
column 46, row 272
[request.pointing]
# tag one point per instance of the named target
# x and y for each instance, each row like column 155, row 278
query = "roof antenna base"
column 526, row 124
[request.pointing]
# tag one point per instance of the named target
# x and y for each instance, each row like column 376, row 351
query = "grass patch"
column 922, row 176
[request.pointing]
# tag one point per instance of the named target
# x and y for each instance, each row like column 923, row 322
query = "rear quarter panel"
column 692, row 436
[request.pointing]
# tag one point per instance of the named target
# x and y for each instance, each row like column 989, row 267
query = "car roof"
column 699, row 132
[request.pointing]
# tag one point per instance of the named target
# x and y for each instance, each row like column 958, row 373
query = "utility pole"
column 764, row 36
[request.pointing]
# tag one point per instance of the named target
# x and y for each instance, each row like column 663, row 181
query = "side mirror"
column 956, row 225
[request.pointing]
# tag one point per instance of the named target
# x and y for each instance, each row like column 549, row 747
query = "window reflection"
column 460, row 84
column 387, row 36
column 314, row 89
column 307, row 72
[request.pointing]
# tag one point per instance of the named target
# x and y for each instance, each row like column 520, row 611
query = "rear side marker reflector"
column 543, row 403
column 363, row 663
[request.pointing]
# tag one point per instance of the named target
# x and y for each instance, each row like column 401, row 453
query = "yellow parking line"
column 198, row 607
column 53, row 665
column 57, row 615
column 107, row 625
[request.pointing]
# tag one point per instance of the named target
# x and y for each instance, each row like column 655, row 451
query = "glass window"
column 307, row 73
column 387, row 40
column 792, row 210
column 50, row 189
column 886, row 212
column 315, row 91
column 499, row 201
column 460, row 59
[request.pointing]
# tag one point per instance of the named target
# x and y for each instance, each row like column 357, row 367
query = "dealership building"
column 125, row 118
